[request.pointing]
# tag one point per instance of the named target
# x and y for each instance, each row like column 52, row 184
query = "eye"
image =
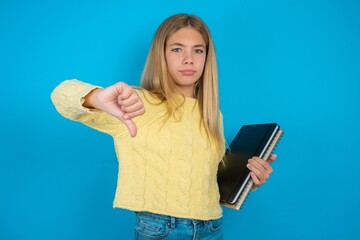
column 199, row 51
column 176, row 49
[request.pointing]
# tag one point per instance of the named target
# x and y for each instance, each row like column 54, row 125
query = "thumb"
column 131, row 126
column 272, row 158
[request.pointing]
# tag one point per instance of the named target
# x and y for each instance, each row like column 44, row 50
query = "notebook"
column 234, row 177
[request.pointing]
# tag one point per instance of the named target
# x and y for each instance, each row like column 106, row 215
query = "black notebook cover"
column 251, row 140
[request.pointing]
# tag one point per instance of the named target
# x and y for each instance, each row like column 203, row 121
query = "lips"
column 187, row 72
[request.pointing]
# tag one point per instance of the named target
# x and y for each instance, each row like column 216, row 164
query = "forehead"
column 186, row 36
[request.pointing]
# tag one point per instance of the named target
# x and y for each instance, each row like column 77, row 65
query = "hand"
column 260, row 169
column 119, row 100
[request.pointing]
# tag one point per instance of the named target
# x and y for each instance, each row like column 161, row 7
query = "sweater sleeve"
column 68, row 98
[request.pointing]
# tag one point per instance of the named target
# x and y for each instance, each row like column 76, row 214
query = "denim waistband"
column 171, row 219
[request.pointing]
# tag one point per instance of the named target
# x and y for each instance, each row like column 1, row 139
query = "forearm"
column 89, row 99
column 68, row 98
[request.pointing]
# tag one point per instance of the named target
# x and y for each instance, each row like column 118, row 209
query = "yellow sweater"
column 169, row 168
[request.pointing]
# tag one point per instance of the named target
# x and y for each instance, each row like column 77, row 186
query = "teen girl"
column 168, row 134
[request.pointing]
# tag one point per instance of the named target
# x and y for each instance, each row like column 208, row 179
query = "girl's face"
column 185, row 54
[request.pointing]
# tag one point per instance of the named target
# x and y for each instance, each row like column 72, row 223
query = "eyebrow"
column 182, row 45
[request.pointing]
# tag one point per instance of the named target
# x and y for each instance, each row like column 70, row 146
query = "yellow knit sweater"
column 169, row 168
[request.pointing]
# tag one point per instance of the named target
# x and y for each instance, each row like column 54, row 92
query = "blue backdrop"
column 292, row 62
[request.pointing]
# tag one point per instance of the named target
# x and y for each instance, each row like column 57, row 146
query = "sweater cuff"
column 80, row 90
column 82, row 100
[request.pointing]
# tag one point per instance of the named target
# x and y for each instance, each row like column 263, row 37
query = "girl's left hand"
column 260, row 169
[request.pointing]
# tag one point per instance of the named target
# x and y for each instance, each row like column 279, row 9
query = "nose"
column 188, row 58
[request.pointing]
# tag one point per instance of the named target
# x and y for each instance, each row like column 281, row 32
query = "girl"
column 168, row 134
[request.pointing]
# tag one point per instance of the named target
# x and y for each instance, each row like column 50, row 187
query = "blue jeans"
column 155, row 226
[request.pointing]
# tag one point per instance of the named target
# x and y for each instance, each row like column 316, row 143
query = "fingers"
column 131, row 105
column 134, row 114
column 260, row 170
column 130, row 102
column 255, row 180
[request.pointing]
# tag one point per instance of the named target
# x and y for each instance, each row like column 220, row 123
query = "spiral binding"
column 239, row 203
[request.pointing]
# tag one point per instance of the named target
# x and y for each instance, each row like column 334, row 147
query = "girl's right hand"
column 119, row 100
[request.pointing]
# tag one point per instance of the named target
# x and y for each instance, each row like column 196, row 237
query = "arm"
column 99, row 108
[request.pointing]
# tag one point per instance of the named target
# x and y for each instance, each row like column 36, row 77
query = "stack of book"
column 233, row 176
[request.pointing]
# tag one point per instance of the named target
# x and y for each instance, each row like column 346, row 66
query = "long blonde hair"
column 157, row 80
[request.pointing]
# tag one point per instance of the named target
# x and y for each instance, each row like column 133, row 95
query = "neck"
column 187, row 91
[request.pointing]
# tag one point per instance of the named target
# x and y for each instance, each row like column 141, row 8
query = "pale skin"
column 185, row 54
column 119, row 100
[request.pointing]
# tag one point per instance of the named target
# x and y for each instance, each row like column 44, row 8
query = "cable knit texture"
column 170, row 166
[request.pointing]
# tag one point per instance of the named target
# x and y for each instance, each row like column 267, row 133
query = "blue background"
column 292, row 62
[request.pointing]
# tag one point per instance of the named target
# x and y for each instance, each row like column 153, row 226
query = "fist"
column 121, row 101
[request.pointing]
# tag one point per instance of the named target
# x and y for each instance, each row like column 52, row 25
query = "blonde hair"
column 157, row 80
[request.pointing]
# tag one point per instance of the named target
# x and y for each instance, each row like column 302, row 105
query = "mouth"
column 187, row 72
